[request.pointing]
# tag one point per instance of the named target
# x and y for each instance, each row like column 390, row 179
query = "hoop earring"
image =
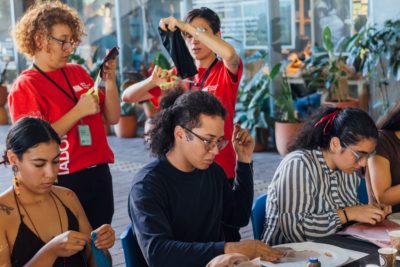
column 16, row 186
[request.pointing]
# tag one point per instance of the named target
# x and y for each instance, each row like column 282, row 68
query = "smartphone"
column 113, row 53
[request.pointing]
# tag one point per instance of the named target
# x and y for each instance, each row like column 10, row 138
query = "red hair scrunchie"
column 329, row 119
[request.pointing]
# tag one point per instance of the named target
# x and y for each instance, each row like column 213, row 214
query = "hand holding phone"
column 113, row 53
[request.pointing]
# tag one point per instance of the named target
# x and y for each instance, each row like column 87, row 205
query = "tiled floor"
column 131, row 155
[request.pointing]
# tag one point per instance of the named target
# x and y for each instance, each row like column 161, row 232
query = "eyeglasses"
column 210, row 144
column 65, row 45
column 360, row 155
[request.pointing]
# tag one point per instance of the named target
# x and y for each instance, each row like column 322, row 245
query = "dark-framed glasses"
column 209, row 145
column 65, row 45
column 360, row 155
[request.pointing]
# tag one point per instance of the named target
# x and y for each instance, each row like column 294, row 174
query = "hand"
column 87, row 105
column 105, row 237
column 253, row 249
column 243, row 143
column 387, row 209
column 160, row 76
column 67, row 243
column 171, row 24
column 109, row 70
column 365, row 214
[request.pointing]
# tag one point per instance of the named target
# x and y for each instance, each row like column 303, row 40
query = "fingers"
column 269, row 254
column 241, row 136
column 76, row 241
column 169, row 23
column 105, row 237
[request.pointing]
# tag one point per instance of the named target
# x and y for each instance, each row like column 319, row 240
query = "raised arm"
column 140, row 91
column 111, row 111
column 213, row 41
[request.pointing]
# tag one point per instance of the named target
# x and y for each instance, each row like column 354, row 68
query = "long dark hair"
column 205, row 13
column 184, row 111
column 350, row 125
column 391, row 121
column 26, row 133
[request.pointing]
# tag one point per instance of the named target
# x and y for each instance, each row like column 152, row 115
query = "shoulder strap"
column 16, row 202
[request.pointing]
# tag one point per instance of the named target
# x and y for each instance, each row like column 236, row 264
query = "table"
column 357, row 245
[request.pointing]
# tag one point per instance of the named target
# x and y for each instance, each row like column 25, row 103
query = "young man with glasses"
column 219, row 71
column 180, row 203
column 314, row 190
column 56, row 91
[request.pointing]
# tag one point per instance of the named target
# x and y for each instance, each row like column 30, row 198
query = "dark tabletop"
column 351, row 243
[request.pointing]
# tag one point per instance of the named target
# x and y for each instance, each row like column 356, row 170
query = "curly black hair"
column 184, row 111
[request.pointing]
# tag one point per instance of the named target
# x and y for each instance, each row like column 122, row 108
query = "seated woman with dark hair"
column 314, row 190
column 42, row 224
column 384, row 167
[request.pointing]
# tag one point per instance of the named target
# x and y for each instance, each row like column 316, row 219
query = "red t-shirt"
column 34, row 95
column 221, row 83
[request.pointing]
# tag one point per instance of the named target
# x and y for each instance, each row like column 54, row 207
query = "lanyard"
column 73, row 97
column 205, row 75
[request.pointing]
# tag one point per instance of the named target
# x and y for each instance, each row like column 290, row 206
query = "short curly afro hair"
column 40, row 18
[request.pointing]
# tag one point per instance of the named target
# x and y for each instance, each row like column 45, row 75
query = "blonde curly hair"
column 40, row 18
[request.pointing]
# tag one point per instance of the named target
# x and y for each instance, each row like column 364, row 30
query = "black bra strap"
column 16, row 202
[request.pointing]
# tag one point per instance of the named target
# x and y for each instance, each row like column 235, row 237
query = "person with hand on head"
column 384, row 167
column 42, row 224
column 314, row 190
column 201, row 32
column 56, row 91
column 180, row 203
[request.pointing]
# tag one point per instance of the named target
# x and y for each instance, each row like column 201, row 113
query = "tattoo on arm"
column 6, row 209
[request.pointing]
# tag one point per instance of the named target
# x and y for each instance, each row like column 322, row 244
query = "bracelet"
column 345, row 214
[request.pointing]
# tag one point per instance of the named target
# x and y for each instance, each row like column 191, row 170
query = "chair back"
column 258, row 216
column 130, row 248
column 362, row 192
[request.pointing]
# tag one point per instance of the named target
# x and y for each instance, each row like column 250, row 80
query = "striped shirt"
column 304, row 196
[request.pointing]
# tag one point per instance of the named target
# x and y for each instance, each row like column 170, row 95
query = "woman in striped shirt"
column 314, row 190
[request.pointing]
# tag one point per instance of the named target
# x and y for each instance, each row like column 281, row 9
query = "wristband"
column 345, row 214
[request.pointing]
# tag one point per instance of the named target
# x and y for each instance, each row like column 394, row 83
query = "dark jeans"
column 94, row 188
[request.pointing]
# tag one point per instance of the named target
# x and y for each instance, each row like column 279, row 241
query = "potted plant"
column 127, row 124
column 327, row 70
column 252, row 109
column 286, row 122
column 375, row 52
column 3, row 96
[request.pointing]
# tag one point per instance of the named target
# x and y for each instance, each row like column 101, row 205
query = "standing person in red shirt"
column 56, row 92
column 201, row 31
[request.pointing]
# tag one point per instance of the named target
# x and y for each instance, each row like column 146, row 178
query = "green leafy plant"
column 252, row 109
column 326, row 69
column 375, row 52
column 284, row 105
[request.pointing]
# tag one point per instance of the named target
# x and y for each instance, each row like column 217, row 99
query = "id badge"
column 85, row 138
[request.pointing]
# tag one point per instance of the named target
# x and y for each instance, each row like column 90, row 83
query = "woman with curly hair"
column 57, row 92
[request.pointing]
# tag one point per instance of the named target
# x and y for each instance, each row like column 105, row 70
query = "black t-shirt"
column 178, row 217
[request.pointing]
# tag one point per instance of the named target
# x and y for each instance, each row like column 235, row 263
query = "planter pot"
column 3, row 116
column 126, row 127
column 3, row 95
column 262, row 135
column 284, row 133
column 353, row 103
